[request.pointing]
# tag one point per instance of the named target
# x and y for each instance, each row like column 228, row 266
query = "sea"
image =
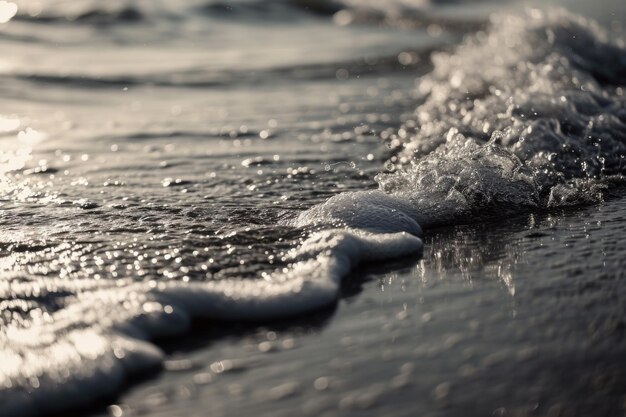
column 312, row 207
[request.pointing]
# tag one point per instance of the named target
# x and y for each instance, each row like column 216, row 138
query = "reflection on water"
column 16, row 152
column 476, row 252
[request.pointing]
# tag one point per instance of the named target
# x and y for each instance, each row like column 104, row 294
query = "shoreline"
column 459, row 275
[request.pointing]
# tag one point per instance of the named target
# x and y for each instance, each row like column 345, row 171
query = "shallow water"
column 162, row 163
column 500, row 318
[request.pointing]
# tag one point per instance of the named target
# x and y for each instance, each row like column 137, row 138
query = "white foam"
column 367, row 210
column 86, row 350
column 527, row 115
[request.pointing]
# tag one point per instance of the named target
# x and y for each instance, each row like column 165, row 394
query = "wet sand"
column 518, row 317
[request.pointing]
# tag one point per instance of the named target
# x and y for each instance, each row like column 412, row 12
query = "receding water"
column 520, row 317
column 416, row 207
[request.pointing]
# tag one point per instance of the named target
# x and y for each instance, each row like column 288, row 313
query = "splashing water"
column 530, row 114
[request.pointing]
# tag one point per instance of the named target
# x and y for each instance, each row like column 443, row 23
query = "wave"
column 530, row 115
column 527, row 116
column 82, row 12
column 402, row 13
column 128, row 12
column 208, row 78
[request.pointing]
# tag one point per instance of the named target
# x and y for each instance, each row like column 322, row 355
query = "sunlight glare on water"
column 7, row 11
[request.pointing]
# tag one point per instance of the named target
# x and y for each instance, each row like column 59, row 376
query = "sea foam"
column 530, row 114
column 86, row 350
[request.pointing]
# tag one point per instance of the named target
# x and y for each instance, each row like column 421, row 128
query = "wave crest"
column 513, row 118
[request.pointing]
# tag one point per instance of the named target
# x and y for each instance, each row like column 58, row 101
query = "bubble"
column 342, row 74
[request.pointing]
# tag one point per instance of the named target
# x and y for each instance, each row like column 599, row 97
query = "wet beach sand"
column 522, row 317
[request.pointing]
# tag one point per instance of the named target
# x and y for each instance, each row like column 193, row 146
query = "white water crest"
column 530, row 114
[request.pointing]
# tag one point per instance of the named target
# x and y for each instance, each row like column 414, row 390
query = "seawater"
column 227, row 161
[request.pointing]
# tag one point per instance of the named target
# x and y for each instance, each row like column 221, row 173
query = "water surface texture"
column 175, row 169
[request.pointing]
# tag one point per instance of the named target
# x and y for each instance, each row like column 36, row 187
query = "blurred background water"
column 168, row 141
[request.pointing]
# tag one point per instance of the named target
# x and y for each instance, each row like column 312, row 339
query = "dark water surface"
column 522, row 317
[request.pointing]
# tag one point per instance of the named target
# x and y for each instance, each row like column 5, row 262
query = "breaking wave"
column 531, row 114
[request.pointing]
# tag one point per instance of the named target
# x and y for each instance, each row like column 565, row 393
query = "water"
column 162, row 163
column 498, row 318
